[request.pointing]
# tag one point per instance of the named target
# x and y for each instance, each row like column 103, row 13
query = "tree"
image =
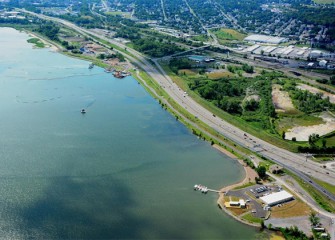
column 261, row 170
column 314, row 219
column 251, row 105
column 324, row 143
column 312, row 139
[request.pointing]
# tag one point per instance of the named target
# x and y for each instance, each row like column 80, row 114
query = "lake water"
column 125, row 169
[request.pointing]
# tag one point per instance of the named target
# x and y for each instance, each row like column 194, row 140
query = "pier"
column 204, row 189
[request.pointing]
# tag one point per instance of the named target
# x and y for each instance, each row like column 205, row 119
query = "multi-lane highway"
column 295, row 162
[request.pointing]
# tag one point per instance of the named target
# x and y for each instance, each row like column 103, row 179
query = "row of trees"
column 152, row 46
column 245, row 67
column 49, row 30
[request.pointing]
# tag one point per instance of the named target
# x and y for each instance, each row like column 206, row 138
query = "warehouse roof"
column 265, row 39
column 276, row 198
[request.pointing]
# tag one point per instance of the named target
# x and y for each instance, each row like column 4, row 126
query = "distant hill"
column 324, row 1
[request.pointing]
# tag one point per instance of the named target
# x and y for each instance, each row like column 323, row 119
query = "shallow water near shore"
column 125, row 169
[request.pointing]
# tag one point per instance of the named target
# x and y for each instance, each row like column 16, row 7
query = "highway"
column 294, row 162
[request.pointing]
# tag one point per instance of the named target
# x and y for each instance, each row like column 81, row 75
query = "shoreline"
column 250, row 174
column 247, row 170
column 48, row 44
column 249, row 178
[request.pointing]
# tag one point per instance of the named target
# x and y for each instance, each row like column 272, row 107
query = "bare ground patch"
column 316, row 90
column 281, row 100
column 301, row 133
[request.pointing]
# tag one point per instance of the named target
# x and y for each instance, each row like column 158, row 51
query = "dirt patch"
column 316, row 90
column 281, row 99
column 255, row 97
column 238, row 211
column 113, row 61
column 302, row 133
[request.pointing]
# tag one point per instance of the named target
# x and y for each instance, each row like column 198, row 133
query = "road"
column 295, row 162
column 181, row 53
column 329, row 216
column 163, row 10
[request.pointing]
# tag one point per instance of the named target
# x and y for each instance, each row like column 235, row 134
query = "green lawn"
column 250, row 218
column 329, row 187
column 229, row 34
column 245, row 185
column 125, row 14
column 322, row 201
column 330, row 140
column 201, row 38
column 38, row 43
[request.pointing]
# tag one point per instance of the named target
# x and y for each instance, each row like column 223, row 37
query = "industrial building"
column 265, row 39
column 277, row 198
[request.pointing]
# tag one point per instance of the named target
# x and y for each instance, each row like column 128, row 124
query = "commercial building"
column 323, row 63
column 277, row 198
column 315, row 54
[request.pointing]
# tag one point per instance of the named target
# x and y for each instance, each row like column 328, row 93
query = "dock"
column 204, row 189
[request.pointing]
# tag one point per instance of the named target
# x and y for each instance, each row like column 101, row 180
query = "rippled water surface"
column 125, row 169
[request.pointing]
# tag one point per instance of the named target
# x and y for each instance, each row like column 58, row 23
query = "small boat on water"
column 91, row 66
column 83, row 111
column 120, row 74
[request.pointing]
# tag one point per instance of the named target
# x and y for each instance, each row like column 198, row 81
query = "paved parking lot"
column 254, row 205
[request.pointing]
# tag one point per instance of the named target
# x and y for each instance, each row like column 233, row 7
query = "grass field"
column 125, row 14
column 201, row 38
column 245, row 185
column 188, row 72
column 330, row 138
column 250, row 218
column 329, row 187
column 288, row 122
column 38, row 43
column 217, row 75
column 291, row 209
column 225, row 34
column 322, row 201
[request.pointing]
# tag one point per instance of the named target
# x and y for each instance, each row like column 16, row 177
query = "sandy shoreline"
column 250, row 174
column 47, row 43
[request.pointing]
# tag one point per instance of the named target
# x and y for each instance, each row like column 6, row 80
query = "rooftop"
column 277, row 197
